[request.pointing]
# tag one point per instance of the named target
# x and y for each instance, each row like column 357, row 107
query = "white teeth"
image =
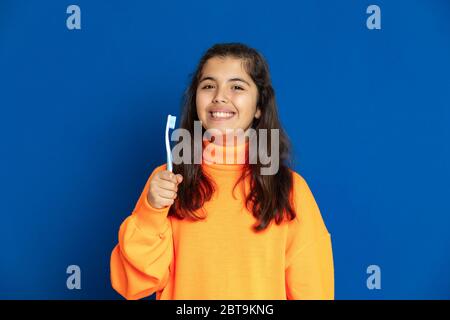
column 222, row 114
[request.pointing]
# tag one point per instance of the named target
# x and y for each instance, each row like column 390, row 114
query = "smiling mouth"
column 221, row 115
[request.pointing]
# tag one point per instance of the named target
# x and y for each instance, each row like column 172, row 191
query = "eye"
column 208, row 86
column 238, row 88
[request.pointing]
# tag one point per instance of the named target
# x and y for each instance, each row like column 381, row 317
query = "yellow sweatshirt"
column 221, row 257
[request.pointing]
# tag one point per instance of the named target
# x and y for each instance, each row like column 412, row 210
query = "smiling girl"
column 221, row 229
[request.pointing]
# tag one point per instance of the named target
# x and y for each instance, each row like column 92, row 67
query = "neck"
column 225, row 151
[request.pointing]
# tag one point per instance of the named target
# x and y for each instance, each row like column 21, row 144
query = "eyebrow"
column 229, row 80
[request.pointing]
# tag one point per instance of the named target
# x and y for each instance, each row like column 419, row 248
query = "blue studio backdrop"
column 83, row 114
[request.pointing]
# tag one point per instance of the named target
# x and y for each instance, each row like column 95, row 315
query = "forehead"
column 227, row 67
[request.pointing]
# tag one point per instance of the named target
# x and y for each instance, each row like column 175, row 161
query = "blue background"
column 83, row 114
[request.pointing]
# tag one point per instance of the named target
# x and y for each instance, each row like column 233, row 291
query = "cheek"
column 247, row 105
column 201, row 104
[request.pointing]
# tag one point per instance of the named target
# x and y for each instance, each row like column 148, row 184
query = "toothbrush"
column 170, row 125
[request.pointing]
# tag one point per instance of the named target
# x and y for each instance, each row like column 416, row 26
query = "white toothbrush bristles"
column 171, row 121
column 170, row 125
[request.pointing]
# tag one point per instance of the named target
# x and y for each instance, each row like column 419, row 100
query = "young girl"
column 221, row 230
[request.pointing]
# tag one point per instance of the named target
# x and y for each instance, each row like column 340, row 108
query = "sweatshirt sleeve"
column 140, row 262
column 309, row 259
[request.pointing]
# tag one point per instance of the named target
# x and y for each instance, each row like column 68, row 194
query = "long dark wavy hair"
column 269, row 197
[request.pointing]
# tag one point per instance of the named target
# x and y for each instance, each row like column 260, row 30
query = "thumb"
column 179, row 178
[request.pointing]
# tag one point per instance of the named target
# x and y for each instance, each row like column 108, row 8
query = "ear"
column 258, row 113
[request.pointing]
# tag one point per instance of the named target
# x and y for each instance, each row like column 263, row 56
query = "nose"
column 220, row 100
column 220, row 97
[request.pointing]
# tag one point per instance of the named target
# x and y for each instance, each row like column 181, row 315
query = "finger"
column 167, row 185
column 168, row 176
column 179, row 178
column 167, row 202
column 167, row 194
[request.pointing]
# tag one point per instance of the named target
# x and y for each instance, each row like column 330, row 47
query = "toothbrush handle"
column 169, row 161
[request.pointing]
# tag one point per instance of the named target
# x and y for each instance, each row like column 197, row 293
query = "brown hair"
column 269, row 196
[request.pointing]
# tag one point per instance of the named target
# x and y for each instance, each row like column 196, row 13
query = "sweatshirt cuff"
column 150, row 220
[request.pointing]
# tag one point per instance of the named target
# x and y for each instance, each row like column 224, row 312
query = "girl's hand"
column 163, row 189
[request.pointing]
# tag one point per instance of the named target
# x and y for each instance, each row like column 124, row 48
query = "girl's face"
column 226, row 95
